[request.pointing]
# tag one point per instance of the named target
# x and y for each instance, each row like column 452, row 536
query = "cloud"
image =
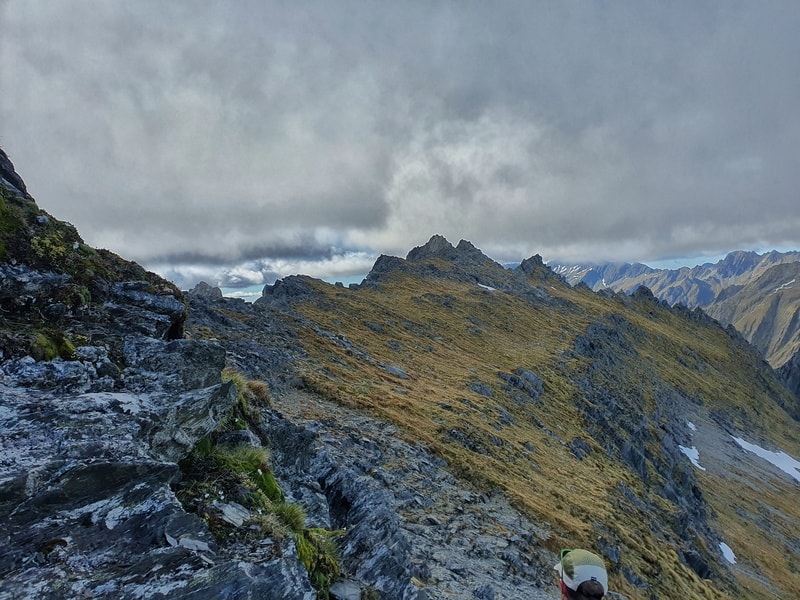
column 248, row 140
column 336, row 265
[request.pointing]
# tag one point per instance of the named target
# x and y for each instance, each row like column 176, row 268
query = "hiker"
column 582, row 575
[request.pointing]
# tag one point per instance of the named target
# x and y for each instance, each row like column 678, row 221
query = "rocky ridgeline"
column 464, row 263
column 448, row 532
column 756, row 293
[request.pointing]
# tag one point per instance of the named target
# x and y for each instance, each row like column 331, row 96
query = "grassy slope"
column 446, row 334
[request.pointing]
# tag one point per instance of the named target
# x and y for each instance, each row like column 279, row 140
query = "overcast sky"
column 238, row 141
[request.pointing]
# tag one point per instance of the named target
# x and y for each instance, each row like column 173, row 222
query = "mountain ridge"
column 442, row 289
column 728, row 290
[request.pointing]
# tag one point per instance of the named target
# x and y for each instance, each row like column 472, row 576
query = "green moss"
column 203, row 447
column 10, row 221
column 265, row 481
column 50, row 344
column 43, row 348
column 83, row 295
column 50, row 248
column 241, row 459
column 66, row 349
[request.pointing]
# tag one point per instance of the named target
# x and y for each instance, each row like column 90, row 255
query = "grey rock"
column 9, row 177
column 438, row 247
column 232, row 512
column 85, row 484
column 377, row 328
column 91, row 445
column 204, row 290
column 397, row 371
column 292, row 287
column 176, row 365
column 481, row 388
column 22, row 287
column 239, row 437
column 523, row 385
column 408, row 531
column 346, row 590
column 133, row 307
column 484, row 592
column 280, row 579
column 579, row 448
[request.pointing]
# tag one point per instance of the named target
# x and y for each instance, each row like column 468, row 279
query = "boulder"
column 204, row 290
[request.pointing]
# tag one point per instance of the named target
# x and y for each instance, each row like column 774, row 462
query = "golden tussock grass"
column 444, row 335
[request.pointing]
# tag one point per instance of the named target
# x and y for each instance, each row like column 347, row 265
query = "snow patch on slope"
column 783, row 461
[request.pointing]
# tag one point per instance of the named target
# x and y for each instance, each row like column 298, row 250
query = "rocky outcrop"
column 57, row 293
column 790, row 374
column 438, row 258
column 615, row 417
column 86, row 486
column 100, row 399
column 412, row 529
column 438, row 247
column 282, row 291
column 204, row 290
column 9, row 177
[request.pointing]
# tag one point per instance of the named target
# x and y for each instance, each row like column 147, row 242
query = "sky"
column 236, row 142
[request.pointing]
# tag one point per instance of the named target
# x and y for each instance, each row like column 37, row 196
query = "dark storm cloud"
column 197, row 136
column 302, row 248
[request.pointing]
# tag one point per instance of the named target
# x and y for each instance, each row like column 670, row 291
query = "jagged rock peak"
column 205, row 290
column 644, row 292
column 530, row 265
column 385, row 264
column 535, row 267
column 737, row 262
column 279, row 294
column 439, row 247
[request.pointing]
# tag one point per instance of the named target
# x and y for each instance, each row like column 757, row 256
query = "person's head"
column 582, row 575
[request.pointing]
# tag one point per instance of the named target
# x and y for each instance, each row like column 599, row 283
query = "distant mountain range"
column 758, row 294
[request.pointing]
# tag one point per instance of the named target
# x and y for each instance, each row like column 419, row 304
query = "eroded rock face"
column 613, row 419
column 85, row 482
column 790, row 374
column 412, row 530
column 86, row 503
column 204, row 290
